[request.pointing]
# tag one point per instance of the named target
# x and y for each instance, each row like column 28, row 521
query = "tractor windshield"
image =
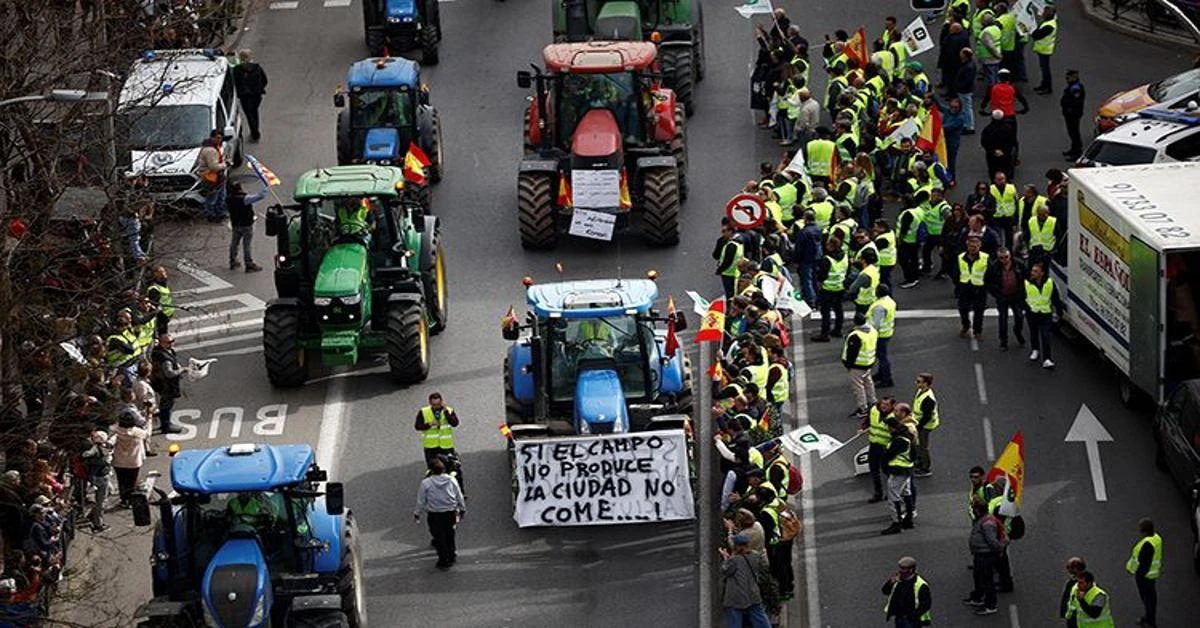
column 581, row 344
column 381, row 108
column 617, row 92
column 261, row 513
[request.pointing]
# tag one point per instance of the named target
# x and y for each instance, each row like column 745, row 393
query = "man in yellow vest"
column 1044, row 38
column 908, row 596
column 1042, row 307
column 926, row 411
column 859, row 356
column 1004, row 193
column 908, row 228
column 820, row 158
column 728, row 252
column 885, row 244
column 882, row 316
column 1090, row 603
column 1145, row 565
column 972, row 297
column 121, row 345
column 436, row 423
column 1075, row 566
column 878, row 437
column 1044, row 235
column 831, row 283
column 864, row 284
column 159, row 293
column 898, row 464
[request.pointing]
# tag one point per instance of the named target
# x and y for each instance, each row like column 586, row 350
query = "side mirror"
column 510, row 332
column 524, row 79
column 276, row 222
column 399, row 249
column 335, row 498
column 339, row 99
column 680, row 321
column 228, row 133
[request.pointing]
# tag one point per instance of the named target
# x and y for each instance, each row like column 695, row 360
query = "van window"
column 221, row 117
column 1115, row 154
column 1185, row 149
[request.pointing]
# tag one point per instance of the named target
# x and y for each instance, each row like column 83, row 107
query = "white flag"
column 198, row 369
column 806, row 440
column 755, row 7
column 699, row 303
column 908, row 130
column 916, row 37
column 785, row 299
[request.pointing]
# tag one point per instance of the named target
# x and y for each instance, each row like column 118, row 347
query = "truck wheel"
column 429, row 45
column 350, row 574
column 434, row 152
column 660, row 206
column 345, row 152
column 680, row 152
column 678, row 73
column 376, row 42
column 535, row 204
column 287, row 364
column 319, row 619
column 434, row 281
column 408, row 343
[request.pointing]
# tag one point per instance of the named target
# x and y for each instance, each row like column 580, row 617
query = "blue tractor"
column 403, row 25
column 384, row 108
column 252, row 536
column 594, row 361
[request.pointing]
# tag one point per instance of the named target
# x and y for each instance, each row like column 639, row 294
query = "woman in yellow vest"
column 1042, row 308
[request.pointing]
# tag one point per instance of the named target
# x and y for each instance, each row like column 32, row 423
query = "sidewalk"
column 1132, row 19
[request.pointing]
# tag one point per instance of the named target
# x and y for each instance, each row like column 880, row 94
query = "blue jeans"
column 991, row 74
column 808, row 282
column 968, row 108
column 214, row 203
column 786, row 124
column 734, row 617
column 131, row 228
column 1044, row 65
column 884, row 372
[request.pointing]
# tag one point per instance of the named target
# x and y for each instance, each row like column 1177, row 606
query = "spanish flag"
column 856, row 47
column 713, row 327
column 510, row 319
column 672, row 340
column 932, row 138
column 415, row 163
column 625, row 202
column 1010, row 466
column 564, row 191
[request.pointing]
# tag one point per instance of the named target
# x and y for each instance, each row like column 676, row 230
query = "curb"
column 1166, row 40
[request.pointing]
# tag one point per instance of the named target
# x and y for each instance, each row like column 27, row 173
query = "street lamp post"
column 80, row 95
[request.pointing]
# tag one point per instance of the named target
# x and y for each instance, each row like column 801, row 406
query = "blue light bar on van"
column 148, row 56
column 1190, row 118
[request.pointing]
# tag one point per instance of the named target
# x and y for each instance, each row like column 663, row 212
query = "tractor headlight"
column 351, row 300
column 260, row 611
column 393, row 19
column 322, row 301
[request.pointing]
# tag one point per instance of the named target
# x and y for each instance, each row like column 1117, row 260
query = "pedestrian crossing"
column 211, row 314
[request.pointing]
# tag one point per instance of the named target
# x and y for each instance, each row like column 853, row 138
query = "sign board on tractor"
column 747, row 211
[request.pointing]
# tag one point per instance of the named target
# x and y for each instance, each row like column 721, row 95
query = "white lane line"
column 216, row 342
column 216, row 330
column 336, row 3
column 330, row 436
column 932, row 313
column 250, row 304
column 974, row 344
column 1013, row 619
column 211, row 282
column 241, row 351
column 275, row 6
column 982, row 388
column 988, row 443
column 808, row 507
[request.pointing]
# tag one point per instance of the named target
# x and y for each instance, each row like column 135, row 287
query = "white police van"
column 170, row 102
column 1156, row 135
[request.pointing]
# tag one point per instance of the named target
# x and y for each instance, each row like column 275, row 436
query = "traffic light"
column 927, row 5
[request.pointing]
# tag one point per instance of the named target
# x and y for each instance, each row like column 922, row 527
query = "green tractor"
column 357, row 267
column 675, row 26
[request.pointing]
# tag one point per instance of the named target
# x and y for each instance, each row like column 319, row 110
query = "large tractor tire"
column 535, row 204
column 698, row 42
column 679, row 74
column 431, row 34
column 436, row 158
column 680, row 152
column 408, row 343
column 660, row 206
column 287, row 363
column 319, row 619
column 345, row 152
column 376, row 42
column 350, row 577
column 433, row 280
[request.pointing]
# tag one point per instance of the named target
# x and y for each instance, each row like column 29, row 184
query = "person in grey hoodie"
column 440, row 498
column 988, row 540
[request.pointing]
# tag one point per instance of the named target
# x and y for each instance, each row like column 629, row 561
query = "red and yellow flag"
column 564, row 191
column 1010, row 466
column 415, row 163
column 932, row 138
column 856, row 47
column 672, row 340
column 625, row 202
column 713, row 327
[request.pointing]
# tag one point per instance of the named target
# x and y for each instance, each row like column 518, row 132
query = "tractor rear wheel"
column 287, row 364
column 345, row 152
column 319, row 619
column 679, row 75
column 408, row 343
column 680, row 152
column 350, row 577
column 535, row 204
column 429, row 44
column 376, row 42
column 434, row 152
column 660, row 206
column 434, row 281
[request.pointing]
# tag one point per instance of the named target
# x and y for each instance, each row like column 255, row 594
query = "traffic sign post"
column 747, row 211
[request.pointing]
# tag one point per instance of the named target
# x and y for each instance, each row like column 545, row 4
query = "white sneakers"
column 1033, row 355
column 1048, row 364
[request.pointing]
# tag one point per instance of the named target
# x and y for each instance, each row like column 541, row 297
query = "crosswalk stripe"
column 275, row 6
column 336, row 3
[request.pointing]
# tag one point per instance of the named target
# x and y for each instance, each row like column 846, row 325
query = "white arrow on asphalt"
column 1087, row 430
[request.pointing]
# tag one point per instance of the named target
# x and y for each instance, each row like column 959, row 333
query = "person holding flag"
column 241, row 222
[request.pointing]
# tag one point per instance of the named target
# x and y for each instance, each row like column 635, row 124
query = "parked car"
column 1153, row 136
column 1177, row 449
column 1172, row 92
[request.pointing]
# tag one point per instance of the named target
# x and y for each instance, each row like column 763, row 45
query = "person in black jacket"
column 1072, row 109
column 829, row 297
column 909, row 599
column 1040, row 322
column 1005, row 281
column 999, row 140
column 164, row 379
column 241, row 222
column 250, row 81
column 963, row 86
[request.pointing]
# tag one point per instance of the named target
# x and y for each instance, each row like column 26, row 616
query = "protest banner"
column 613, row 479
column 916, row 37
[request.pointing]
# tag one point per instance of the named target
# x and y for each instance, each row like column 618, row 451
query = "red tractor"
column 602, row 136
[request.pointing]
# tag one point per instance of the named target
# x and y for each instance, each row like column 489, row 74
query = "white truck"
column 1131, row 283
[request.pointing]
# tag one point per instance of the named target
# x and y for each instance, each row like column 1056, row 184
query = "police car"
column 170, row 102
column 1155, row 136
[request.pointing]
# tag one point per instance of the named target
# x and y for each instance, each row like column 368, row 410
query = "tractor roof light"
column 652, row 275
column 380, row 64
column 173, row 449
column 656, row 37
column 527, row 281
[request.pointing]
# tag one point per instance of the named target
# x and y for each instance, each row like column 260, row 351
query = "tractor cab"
column 594, row 358
column 251, row 535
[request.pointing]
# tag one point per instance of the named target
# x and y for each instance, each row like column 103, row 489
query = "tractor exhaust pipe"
column 577, row 26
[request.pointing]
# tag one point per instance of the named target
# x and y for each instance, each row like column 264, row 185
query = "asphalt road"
column 644, row 575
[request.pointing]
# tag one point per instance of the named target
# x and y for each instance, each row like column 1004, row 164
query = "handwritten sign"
column 586, row 223
column 1027, row 12
column 596, row 189
column 613, row 479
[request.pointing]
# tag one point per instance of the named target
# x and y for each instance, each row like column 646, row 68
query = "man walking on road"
column 436, row 422
column 241, row 221
column 1044, row 38
column 1043, row 305
column 440, row 497
column 987, row 541
column 972, row 298
column 898, row 467
column 908, row 597
column 1075, row 566
column 1005, row 280
column 1145, row 565
column 858, row 356
column 164, row 378
column 882, row 316
column 1072, row 109
column 251, row 83
column 926, row 413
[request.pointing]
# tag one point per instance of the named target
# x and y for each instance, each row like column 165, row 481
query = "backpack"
column 789, row 523
column 1016, row 527
column 795, row 480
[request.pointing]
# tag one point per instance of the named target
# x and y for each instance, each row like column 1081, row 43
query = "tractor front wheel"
column 319, row 619
column 287, row 364
column 408, row 342
column 660, row 206
column 679, row 74
column 429, row 44
column 535, row 202
column 434, row 152
column 350, row 577
column 376, row 42
column 345, row 152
